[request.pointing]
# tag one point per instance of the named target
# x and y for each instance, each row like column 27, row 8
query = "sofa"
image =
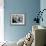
column 39, row 33
column 39, row 37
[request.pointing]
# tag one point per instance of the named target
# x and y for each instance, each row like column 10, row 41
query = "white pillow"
column 21, row 42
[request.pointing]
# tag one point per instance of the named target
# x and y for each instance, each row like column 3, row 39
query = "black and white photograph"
column 17, row 19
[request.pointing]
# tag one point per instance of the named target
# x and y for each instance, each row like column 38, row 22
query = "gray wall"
column 26, row 7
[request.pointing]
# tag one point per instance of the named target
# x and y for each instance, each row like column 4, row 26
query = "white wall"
column 1, row 21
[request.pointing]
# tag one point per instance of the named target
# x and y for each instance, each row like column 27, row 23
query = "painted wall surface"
column 1, row 21
column 43, row 6
column 26, row 7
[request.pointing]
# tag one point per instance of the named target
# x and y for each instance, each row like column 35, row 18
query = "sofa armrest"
column 39, row 37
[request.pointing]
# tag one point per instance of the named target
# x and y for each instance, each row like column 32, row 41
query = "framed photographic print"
column 17, row 19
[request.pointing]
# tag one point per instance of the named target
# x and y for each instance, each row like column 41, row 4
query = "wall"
column 1, row 21
column 28, row 8
column 43, row 6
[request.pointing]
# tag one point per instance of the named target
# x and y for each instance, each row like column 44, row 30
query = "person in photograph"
column 20, row 19
column 14, row 20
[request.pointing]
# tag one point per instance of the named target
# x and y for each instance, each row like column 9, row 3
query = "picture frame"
column 17, row 19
